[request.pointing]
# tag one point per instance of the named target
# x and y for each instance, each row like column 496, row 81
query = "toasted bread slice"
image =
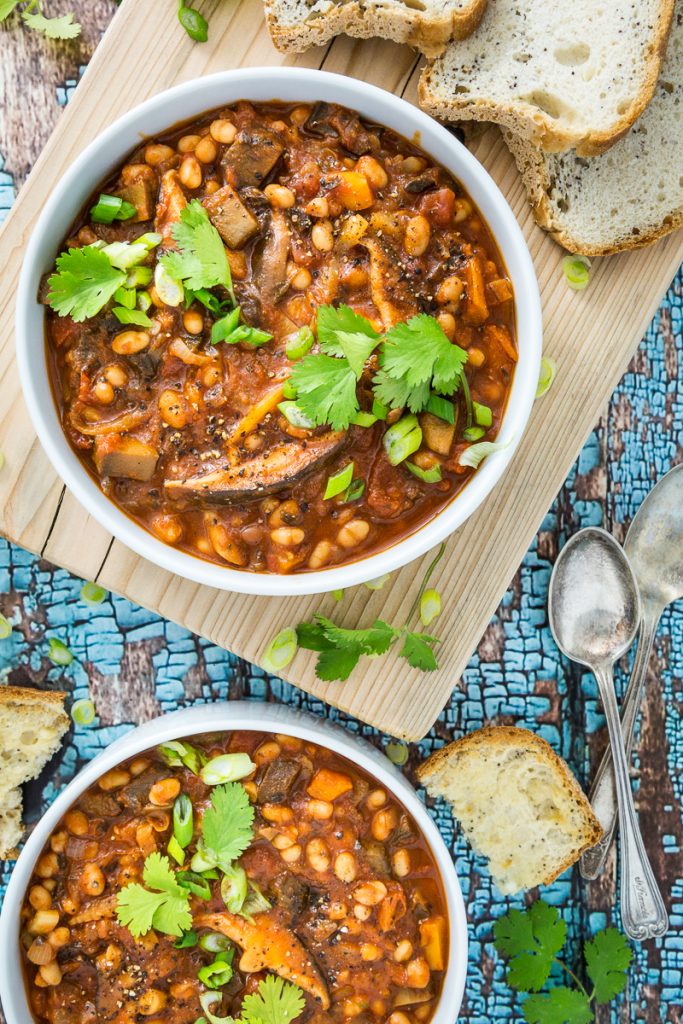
column 32, row 723
column 560, row 77
column 517, row 802
column 427, row 24
column 629, row 196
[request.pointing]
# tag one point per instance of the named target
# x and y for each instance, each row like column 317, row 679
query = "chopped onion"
column 93, row 593
column 169, row 291
column 546, row 376
column 234, row 888
column 476, row 453
column 397, row 752
column 83, row 711
column 226, row 768
column 339, row 481
column 299, row 343
column 293, row 414
column 58, row 652
column 576, row 270
column 430, row 606
column 402, row 439
column 279, row 651
column 5, row 628
column 379, row 582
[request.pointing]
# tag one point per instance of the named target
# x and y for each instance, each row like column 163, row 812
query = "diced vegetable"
column 353, row 190
column 441, row 407
column 169, row 291
column 279, row 651
column 402, row 439
column 546, row 376
column 183, row 820
column 339, row 481
column 299, row 343
column 328, row 785
column 110, row 208
column 364, row 419
column 234, row 888
column 576, row 270
column 438, row 432
column 473, row 433
column 482, row 415
column 83, row 711
column 429, row 476
column 433, row 938
column 123, row 456
column 93, row 593
column 294, row 415
column 226, row 768
column 430, row 606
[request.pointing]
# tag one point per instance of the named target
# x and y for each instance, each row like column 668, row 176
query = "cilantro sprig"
column 227, row 824
column 59, row 27
column 532, row 939
column 200, row 261
column 417, row 358
column 163, row 905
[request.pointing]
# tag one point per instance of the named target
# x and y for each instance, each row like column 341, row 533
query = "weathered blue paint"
column 137, row 665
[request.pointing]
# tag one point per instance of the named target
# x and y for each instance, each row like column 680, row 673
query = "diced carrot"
column 500, row 334
column 353, row 190
column 476, row 310
column 433, row 941
column 328, row 785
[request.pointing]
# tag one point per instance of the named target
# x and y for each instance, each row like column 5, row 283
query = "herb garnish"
column 417, row 358
column 201, row 261
column 532, row 939
column 226, row 826
column 60, row 27
column 276, row 1002
column 167, row 908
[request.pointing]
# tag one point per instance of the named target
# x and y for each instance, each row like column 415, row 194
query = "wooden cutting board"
column 591, row 335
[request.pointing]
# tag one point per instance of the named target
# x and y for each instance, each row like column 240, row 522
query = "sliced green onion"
column 215, row 942
column 179, row 755
column 379, row 409
column 125, row 297
column 208, row 299
column 441, row 407
column 126, row 255
column 202, row 862
column 218, row 973
column 402, row 439
column 476, row 453
column 482, row 415
column 58, row 652
column 110, row 208
column 183, row 820
column 293, row 414
column 255, row 902
column 279, row 651
column 194, row 883
column 430, row 606
column 355, row 490
column 139, row 277
column 5, row 628
column 289, row 390
column 223, row 328
column 473, row 433
column 150, row 240
column 338, row 595
column 206, row 1001
column 576, row 270
column 380, row 582
column 339, row 481
column 176, row 851
column 234, row 888
column 187, row 940
column 131, row 316
column 169, row 291
column 429, row 476
column 249, row 335
column 299, row 343
column 93, row 593
column 364, row 419
column 83, row 711
column 397, row 753
column 194, row 23
column 144, row 301
column 546, row 376
column 227, row 768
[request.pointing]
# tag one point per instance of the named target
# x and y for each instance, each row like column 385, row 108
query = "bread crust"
column 24, row 695
column 428, row 34
column 533, row 169
column 503, row 737
column 537, row 127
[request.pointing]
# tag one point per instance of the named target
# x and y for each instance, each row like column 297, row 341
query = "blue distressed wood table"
column 136, row 665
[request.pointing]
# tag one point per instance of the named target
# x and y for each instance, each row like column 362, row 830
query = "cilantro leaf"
column 341, row 649
column 276, row 1002
column 375, row 640
column 337, row 664
column 561, row 1006
column 326, row 390
column 61, row 27
column 608, row 956
column 356, row 348
column 312, row 637
column 167, row 909
column 6, row 8
column 332, row 319
column 532, row 939
column 201, row 261
column 226, row 826
column 85, row 281
column 417, row 650
column 417, row 357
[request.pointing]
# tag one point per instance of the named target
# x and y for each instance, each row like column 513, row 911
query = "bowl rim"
column 190, row 99
column 231, row 716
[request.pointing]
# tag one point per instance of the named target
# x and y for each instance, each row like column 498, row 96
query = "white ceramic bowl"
column 213, row 718
column 194, row 98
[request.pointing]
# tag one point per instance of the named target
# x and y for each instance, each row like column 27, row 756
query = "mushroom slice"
column 269, row 945
column 280, row 467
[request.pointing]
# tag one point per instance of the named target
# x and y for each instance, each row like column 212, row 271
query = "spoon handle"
column 642, row 909
column 603, row 794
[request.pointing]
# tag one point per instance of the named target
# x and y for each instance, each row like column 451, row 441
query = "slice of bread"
column 560, row 76
column 629, row 196
column 429, row 25
column 517, row 803
column 32, row 723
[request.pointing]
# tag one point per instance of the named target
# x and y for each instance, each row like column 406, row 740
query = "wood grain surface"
column 592, row 335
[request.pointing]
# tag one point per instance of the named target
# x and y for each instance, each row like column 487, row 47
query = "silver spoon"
column 594, row 611
column 654, row 546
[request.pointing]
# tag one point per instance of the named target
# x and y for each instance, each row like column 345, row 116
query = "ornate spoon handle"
column 642, row 909
column 603, row 794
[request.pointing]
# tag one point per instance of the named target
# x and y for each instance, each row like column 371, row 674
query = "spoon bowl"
column 594, row 607
column 654, row 543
